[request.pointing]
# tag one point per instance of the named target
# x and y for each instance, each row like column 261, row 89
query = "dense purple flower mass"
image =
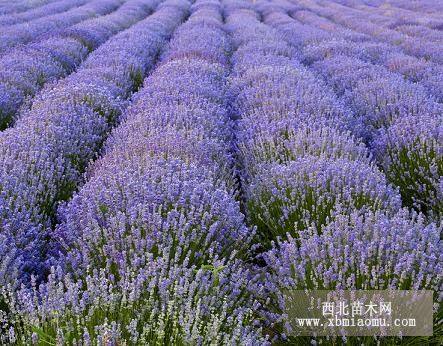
column 380, row 85
column 169, row 169
column 370, row 251
column 44, row 155
column 288, row 197
column 411, row 153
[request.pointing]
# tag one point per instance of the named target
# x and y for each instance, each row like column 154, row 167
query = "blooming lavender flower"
column 410, row 45
column 382, row 100
column 411, row 154
column 343, row 72
column 280, row 107
column 183, row 199
column 414, row 69
column 174, row 303
column 280, row 147
column 421, row 32
column 166, row 181
column 286, row 94
column 341, row 42
column 379, row 98
column 21, row 6
column 151, row 232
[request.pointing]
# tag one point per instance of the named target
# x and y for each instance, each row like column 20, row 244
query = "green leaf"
column 43, row 336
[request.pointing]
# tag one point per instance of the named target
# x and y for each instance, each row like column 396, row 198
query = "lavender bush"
column 41, row 11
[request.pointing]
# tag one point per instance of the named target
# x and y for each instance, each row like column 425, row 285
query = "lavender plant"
column 41, row 11
column 411, row 154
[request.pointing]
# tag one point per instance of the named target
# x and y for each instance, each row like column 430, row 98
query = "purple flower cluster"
column 176, row 166
column 150, row 183
column 380, row 100
column 152, row 246
column 288, row 198
column 44, row 156
column 13, row 35
column 411, row 153
column 351, row 18
column 25, row 70
column 333, row 242
column 341, row 41
column 163, row 300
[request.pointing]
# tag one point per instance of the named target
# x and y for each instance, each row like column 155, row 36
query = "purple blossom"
column 360, row 251
column 411, row 154
column 156, row 230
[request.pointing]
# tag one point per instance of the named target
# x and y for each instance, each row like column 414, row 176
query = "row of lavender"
column 351, row 18
column 21, row 33
column 152, row 247
column 368, row 47
column 44, row 156
column 41, row 11
column 12, row 8
column 25, row 70
column 401, row 122
column 401, row 14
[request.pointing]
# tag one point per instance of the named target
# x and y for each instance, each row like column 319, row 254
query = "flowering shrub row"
column 44, row 156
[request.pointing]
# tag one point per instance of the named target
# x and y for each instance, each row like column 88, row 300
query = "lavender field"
column 169, row 169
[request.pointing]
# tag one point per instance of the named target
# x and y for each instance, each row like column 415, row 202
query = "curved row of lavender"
column 328, row 213
column 41, row 11
column 352, row 19
column 425, row 7
column 42, row 159
column 400, row 17
column 14, row 35
column 154, row 248
column 412, row 23
column 11, row 8
column 348, row 42
column 396, row 115
column 153, row 244
column 26, row 69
